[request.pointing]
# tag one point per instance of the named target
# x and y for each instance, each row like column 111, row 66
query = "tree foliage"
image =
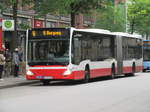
column 4, row 4
column 69, row 6
column 72, row 7
column 112, row 18
column 139, row 16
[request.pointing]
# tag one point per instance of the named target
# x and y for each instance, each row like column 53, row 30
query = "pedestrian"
column 8, row 63
column 2, row 63
column 16, row 62
column 7, row 55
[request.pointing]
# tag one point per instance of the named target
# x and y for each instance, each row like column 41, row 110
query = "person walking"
column 2, row 63
column 7, row 68
column 16, row 62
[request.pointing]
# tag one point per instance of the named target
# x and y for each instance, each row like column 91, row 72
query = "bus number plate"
column 47, row 77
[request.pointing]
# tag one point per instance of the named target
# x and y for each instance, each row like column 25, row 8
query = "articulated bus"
column 81, row 54
column 146, row 55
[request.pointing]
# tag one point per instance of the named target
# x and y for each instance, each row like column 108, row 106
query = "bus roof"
column 102, row 31
column 127, row 35
column 146, row 40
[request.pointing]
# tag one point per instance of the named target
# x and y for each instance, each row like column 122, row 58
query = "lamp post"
column 15, row 39
column 126, row 9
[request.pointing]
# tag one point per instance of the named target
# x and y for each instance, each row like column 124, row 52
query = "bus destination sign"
column 147, row 43
column 48, row 33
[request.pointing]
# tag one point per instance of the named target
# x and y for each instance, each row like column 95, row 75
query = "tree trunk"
column 147, row 35
column 132, row 26
column 45, row 21
column 72, row 19
column 14, row 38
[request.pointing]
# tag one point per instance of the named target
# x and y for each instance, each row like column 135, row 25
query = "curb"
column 18, row 84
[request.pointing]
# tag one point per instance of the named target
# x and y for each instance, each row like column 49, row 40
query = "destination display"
column 146, row 42
column 146, row 45
column 48, row 33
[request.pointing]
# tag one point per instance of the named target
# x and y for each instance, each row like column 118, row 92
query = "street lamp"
column 126, row 9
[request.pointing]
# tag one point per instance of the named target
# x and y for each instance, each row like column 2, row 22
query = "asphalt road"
column 123, row 94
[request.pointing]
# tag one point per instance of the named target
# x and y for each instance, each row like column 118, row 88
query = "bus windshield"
column 48, row 52
column 146, row 50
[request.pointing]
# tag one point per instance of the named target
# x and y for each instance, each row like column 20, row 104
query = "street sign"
column 8, row 25
column 38, row 23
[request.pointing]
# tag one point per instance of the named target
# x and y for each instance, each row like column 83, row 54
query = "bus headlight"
column 67, row 72
column 29, row 73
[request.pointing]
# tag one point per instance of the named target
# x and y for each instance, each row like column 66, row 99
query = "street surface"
column 123, row 94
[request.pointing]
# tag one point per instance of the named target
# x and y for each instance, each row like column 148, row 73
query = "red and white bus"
column 80, row 54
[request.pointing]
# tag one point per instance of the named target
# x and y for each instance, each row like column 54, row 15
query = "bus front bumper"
column 55, row 75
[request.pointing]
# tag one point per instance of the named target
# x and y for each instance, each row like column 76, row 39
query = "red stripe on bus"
column 139, row 68
column 100, row 72
column 128, row 69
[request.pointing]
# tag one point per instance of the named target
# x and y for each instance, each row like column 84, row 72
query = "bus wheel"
column 133, row 71
column 86, row 75
column 113, row 72
column 45, row 82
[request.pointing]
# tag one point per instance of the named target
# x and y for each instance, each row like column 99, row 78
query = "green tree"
column 139, row 16
column 14, row 5
column 112, row 18
column 72, row 7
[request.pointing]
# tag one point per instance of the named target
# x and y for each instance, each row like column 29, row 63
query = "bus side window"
column 139, row 48
column 106, row 48
column 76, row 51
column 100, row 50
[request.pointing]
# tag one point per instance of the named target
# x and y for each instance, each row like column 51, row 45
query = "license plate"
column 39, row 77
column 47, row 77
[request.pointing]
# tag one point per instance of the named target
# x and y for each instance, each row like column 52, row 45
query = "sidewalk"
column 9, row 82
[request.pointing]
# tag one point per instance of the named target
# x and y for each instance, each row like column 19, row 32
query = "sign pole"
column 1, row 34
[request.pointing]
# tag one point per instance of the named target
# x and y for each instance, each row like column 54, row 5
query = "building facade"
column 119, row 1
column 26, row 19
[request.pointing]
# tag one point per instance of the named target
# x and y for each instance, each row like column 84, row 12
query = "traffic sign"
column 8, row 25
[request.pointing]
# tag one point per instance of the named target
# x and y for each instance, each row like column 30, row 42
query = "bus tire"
column 86, row 75
column 133, row 71
column 113, row 71
column 45, row 82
